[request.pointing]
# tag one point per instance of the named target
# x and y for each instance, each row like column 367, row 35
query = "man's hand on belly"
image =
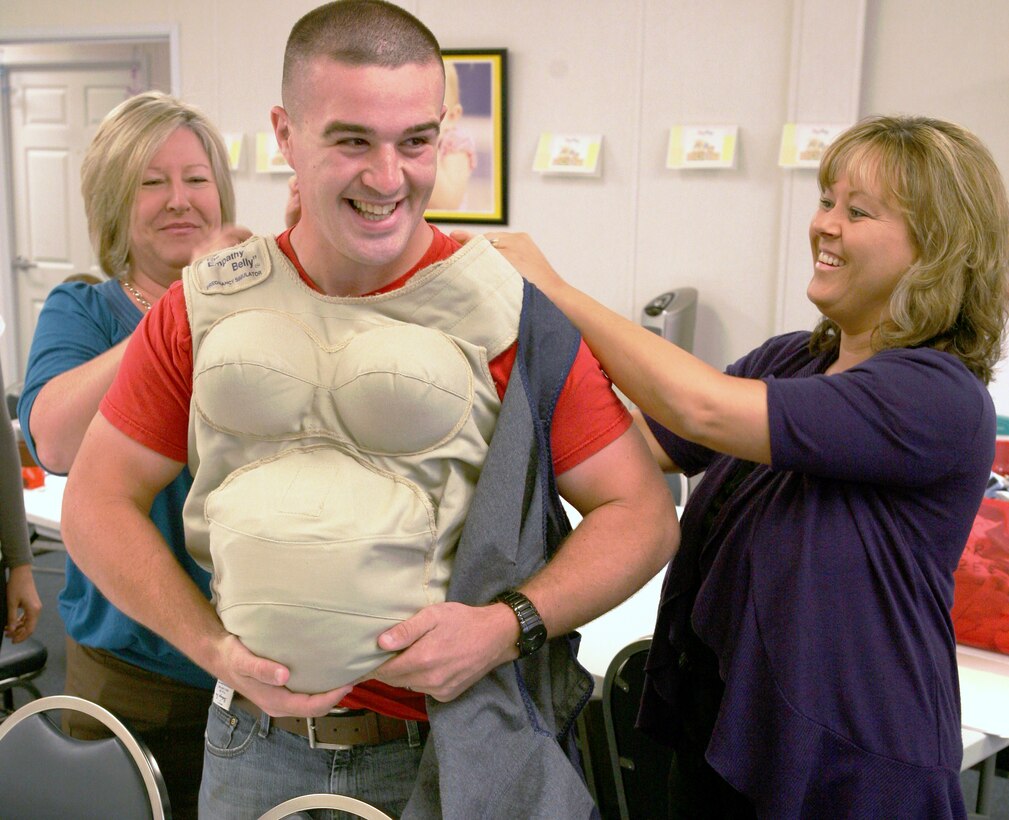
column 262, row 681
column 445, row 648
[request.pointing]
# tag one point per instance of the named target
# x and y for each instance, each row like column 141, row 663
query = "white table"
column 984, row 700
column 43, row 505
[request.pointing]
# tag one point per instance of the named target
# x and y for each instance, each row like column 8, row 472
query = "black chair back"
column 48, row 774
column 640, row 765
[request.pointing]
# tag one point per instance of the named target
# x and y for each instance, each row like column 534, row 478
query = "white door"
column 53, row 116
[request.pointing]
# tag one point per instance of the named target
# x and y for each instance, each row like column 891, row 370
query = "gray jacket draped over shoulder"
column 505, row 747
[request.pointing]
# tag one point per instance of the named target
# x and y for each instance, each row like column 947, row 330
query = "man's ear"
column 282, row 130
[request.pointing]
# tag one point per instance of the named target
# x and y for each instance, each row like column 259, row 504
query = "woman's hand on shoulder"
column 223, row 237
column 523, row 253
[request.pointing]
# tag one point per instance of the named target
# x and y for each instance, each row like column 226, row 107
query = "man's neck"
column 336, row 275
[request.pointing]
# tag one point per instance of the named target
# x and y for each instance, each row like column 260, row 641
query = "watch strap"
column 532, row 631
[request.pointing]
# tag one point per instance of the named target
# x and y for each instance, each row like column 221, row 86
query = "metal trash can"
column 672, row 316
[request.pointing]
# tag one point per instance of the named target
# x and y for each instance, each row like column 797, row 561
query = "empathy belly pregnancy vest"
column 335, row 444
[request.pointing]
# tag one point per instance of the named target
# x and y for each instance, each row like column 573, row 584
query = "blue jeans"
column 250, row 766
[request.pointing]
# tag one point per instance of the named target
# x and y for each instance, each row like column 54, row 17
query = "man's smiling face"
column 363, row 143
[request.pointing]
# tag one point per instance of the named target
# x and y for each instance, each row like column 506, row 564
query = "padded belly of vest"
column 392, row 389
column 315, row 554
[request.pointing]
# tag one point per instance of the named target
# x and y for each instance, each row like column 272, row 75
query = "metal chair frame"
column 325, row 801
column 618, row 762
column 19, row 665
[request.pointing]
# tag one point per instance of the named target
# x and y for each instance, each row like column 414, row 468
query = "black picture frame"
column 474, row 134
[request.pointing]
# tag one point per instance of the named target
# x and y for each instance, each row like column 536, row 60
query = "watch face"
column 532, row 640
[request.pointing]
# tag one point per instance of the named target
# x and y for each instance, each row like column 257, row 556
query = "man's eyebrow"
column 340, row 127
column 433, row 125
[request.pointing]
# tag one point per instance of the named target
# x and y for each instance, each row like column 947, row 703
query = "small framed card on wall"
column 802, row 144
column 702, row 146
column 569, row 154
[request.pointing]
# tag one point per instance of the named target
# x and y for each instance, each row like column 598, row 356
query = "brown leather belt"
column 343, row 728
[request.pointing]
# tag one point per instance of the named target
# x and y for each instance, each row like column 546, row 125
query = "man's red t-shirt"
column 150, row 397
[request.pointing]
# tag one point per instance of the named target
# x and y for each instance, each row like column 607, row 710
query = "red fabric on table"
column 981, row 604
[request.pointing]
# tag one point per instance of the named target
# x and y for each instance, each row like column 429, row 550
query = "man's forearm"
column 629, row 531
column 108, row 532
column 119, row 548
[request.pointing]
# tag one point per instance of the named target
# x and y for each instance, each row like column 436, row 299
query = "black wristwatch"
column 532, row 633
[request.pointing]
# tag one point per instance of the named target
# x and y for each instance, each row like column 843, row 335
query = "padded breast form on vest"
column 395, row 389
column 319, row 548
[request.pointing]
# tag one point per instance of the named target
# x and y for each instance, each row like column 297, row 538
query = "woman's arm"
column 689, row 397
column 23, row 602
column 76, row 366
column 15, row 547
column 65, row 406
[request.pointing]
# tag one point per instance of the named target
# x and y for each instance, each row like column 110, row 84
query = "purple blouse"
column 824, row 584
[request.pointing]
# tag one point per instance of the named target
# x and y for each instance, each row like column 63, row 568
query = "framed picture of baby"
column 472, row 181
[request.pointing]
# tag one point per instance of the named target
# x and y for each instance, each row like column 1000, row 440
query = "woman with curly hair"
column 804, row 662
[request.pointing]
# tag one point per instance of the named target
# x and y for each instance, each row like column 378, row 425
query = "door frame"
column 9, row 353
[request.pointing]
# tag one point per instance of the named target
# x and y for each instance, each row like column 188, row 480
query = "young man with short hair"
column 374, row 418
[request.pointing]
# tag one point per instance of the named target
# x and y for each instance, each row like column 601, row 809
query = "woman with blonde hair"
column 157, row 190
column 803, row 662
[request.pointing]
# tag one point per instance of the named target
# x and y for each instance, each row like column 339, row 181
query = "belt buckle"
column 313, row 743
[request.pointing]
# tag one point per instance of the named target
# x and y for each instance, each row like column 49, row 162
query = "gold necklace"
column 144, row 303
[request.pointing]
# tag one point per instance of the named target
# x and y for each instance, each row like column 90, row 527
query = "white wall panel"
column 629, row 69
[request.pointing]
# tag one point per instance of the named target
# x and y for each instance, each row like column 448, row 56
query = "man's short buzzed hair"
column 357, row 32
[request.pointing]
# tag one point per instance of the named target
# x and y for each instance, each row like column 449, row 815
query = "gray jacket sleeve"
column 15, row 548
